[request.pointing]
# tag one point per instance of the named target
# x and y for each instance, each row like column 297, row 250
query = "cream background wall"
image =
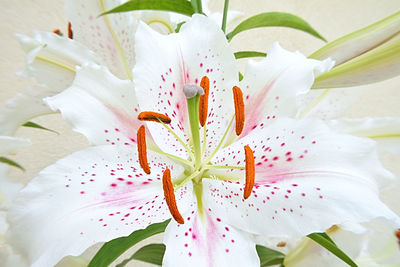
column 332, row 19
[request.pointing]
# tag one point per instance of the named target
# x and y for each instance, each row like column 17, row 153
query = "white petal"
column 327, row 104
column 166, row 63
column 52, row 59
column 159, row 21
column 8, row 187
column 100, row 106
column 272, row 86
column 301, row 169
column 386, row 131
column 92, row 196
column 24, row 106
column 205, row 240
column 11, row 144
column 109, row 36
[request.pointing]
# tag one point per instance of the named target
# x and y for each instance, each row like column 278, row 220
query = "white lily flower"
column 294, row 169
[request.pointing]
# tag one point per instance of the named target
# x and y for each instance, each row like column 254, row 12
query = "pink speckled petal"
column 272, row 86
column 51, row 59
column 92, row 196
column 109, row 36
column 301, row 169
column 166, row 63
column 206, row 240
column 100, row 106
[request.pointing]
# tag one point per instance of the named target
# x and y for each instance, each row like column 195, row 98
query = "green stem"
column 207, row 167
column 197, row 7
column 225, row 15
column 193, row 110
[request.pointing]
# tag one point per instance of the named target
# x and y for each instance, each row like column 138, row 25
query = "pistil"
column 192, row 93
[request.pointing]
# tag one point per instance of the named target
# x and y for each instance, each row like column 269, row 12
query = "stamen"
column 142, row 151
column 170, row 196
column 203, row 104
column 239, row 109
column 58, row 32
column 70, row 33
column 153, row 116
column 250, row 172
column 398, row 235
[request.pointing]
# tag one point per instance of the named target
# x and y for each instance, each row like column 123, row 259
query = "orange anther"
column 170, row 196
column 70, row 33
column 203, row 103
column 142, row 150
column 57, row 31
column 239, row 109
column 250, row 172
column 153, row 116
column 398, row 235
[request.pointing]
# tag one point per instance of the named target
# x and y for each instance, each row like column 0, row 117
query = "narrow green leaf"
column 376, row 65
column 183, row 7
column 245, row 54
column 361, row 41
column 327, row 242
column 38, row 126
column 269, row 19
column 11, row 163
column 240, row 77
column 224, row 16
column 179, row 25
column 153, row 253
column 269, row 256
column 111, row 250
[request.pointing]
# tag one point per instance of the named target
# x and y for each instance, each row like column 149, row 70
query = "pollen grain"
column 203, row 103
column 250, row 172
column 239, row 109
column 70, row 33
column 153, row 116
column 170, row 197
column 142, row 150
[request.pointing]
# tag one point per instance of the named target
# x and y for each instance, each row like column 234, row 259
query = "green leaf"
column 37, row 126
column 245, row 54
column 325, row 241
column 269, row 256
column 197, row 6
column 111, row 250
column 274, row 19
column 153, row 253
column 376, row 65
column 240, row 77
column 361, row 41
column 179, row 25
column 11, row 163
column 178, row 6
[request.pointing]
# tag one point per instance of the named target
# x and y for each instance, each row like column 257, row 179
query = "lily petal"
column 166, row 63
column 52, row 59
column 205, row 240
column 24, row 106
column 9, row 188
column 374, row 66
column 359, row 42
column 109, row 36
column 386, row 131
column 91, row 196
column 327, row 104
column 100, row 106
column 272, row 86
column 301, row 169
